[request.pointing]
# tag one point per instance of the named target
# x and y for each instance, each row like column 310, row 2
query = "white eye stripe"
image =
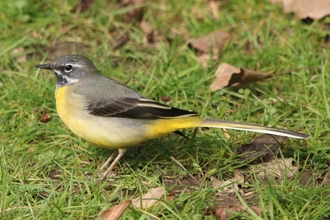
column 73, row 64
column 69, row 67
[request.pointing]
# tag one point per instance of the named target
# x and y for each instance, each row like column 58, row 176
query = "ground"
column 147, row 45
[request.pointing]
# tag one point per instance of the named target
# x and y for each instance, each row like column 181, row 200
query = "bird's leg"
column 121, row 152
column 108, row 161
column 104, row 165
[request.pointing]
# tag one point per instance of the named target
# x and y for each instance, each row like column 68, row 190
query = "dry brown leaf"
column 213, row 42
column 279, row 168
column 287, row 5
column 149, row 199
column 148, row 30
column 45, row 117
column 222, row 211
column 261, row 149
column 257, row 210
column 152, row 38
column 315, row 9
column 42, row 115
column 214, row 9
column 229, row 76
column 146, row 27
column 115, row 212
column 228, row 186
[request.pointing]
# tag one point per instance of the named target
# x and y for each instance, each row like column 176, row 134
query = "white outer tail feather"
column 250, row 127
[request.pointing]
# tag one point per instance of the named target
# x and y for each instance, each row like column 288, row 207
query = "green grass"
column 43, row 165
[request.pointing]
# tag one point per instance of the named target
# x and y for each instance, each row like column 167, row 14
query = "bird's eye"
column 68, row 68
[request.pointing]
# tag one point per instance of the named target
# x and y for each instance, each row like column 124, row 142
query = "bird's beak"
column 47, row 66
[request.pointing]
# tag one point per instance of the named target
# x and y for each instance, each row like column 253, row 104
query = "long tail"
column 249, row 127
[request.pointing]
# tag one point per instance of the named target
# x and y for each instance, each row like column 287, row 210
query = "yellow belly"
column 107, row 132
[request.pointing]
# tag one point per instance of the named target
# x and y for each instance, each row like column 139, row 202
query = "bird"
column 109, row 114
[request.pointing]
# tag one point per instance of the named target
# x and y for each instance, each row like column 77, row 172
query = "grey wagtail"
column 109, row 114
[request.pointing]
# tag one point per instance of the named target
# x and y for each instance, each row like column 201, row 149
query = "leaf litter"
column 228, row 186
column 116, row 211
column 229, row 76
column 151, row 198
column 211, row 43
column 227, row 189
column 262, row 149
column 228, row 212
column 279, row 168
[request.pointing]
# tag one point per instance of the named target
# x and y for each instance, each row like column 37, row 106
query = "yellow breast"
column 70, row 108
column 107, row 132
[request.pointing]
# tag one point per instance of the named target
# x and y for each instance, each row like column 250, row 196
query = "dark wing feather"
column 108, row 109
column 135, row 108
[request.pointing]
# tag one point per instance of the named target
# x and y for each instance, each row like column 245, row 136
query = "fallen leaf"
column 149, row 199
column 146, row 27
column 279, row 168
column 209, row 211
column 315, row 9
column 229, row 76
column 228, row 186
column 261, row 149
column 287, row 5
column 151, row 37
column 213, row 42
column 223, row 212
column 115, row 212
column 45, row 117
column 148, row 37
column 256, row 209
column 214, row 9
